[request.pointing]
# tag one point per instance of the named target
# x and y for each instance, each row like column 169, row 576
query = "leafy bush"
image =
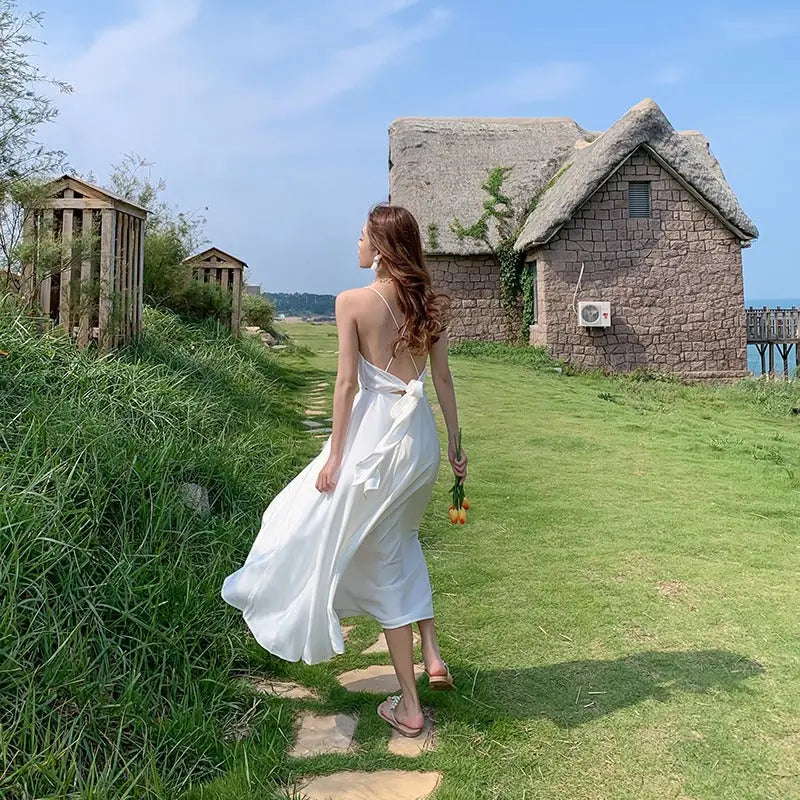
column 257, row 310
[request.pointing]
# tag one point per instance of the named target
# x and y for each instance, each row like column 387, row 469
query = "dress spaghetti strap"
column 399, row 328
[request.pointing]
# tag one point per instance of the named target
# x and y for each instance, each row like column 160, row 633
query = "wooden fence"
column 770, row 328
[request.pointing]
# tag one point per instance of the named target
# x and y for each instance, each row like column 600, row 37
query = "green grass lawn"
column 620, row 611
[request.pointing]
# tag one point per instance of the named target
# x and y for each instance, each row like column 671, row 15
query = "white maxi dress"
column 353, row 551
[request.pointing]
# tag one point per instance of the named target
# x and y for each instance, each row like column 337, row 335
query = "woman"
column 341, row 539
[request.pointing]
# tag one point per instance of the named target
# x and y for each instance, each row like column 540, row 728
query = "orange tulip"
column 462, row 515
column 465, row 503
column 453, row 515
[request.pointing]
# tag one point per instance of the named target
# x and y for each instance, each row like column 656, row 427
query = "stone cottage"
column 639, row 216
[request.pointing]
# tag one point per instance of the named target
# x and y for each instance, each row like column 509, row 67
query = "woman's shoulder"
column 355, row 292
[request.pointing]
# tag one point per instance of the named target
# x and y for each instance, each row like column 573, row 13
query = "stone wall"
column 674, row 281
column 473, row 283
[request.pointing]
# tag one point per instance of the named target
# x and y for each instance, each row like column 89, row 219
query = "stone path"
column 384, row 785
column 292, row 691
column 316, row 408
column 379, row 679
column 333, row 734
column 323, row 733
column 381, row 647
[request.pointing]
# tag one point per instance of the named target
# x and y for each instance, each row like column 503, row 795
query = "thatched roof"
column 437, row 167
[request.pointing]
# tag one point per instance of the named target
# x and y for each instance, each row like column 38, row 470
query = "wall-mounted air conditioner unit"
column 594, row 314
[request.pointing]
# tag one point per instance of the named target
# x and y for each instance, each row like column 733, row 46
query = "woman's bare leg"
column 401, row 650
column 430, row 648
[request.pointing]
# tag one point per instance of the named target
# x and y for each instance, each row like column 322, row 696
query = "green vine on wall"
column 433, row 236
column 514, row 277
column 527, row 299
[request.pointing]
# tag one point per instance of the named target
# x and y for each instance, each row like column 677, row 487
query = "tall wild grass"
column 116, row 649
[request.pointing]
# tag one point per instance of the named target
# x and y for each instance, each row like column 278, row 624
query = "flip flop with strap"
column 393, row 700
column 440, row 682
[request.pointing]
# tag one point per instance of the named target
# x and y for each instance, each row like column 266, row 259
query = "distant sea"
column 753, row 358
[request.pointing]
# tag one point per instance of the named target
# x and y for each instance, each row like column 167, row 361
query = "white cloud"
column 367, row 13
column 350, row 67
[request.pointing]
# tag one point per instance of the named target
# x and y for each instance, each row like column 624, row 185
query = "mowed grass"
column 620, row 611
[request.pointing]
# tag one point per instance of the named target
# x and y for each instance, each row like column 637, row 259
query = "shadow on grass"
column 574, row 692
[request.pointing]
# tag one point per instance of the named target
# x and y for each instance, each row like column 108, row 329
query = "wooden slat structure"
column 768, row 328
column 216, row 266
column 96, row 291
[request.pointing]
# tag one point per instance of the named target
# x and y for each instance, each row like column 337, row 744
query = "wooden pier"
column 768, row 328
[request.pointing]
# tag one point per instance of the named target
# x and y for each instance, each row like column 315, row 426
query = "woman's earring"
column 375, row 262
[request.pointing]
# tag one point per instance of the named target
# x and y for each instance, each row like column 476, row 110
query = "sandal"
column 394, row 722
column 440, row 682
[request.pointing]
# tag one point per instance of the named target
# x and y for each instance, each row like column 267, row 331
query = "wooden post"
column 66, row 265
column 108, row 230
column 47, row 232
column 140, row 267
column 87, row 232
column 124, row 220
column 236, row 302
column 28, row 277
column 785, row 349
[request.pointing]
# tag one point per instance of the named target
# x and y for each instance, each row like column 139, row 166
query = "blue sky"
column 273, row 116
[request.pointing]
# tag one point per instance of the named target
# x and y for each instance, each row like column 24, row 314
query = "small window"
column 639, row 199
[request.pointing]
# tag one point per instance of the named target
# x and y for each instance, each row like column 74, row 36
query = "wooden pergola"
column 217, row 266
column 95, row 293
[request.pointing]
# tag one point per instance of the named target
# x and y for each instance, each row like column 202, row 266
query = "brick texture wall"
column 674, row 281
column 473, row 283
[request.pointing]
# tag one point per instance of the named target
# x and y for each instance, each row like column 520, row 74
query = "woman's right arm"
column 445, row 393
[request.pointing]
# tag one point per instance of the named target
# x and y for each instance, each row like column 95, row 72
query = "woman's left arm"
column 345, row 388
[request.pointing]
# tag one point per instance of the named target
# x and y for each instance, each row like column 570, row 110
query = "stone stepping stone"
column 379, row 679
column 323, row 733
column 314, row 412
column 400, row 745
column 318, row 401
column 321, row 385
column 279, row 346
column 347, row 630
column 311, row 423
column 322, row 430
column 381, row 647
column 383, row 785
column 286, row 689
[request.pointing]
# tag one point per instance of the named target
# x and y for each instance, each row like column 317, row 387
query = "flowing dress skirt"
column 354, row 550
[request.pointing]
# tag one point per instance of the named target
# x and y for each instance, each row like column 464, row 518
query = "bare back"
column 377, row 324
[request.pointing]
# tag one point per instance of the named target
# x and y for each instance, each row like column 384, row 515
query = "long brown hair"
column 394, row 233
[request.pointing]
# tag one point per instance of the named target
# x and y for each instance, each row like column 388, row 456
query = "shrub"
column 257, row 310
